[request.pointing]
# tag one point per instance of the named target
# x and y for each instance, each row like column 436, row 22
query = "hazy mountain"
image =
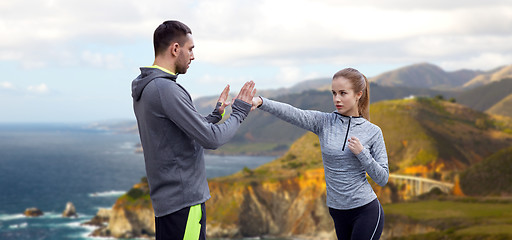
column 484, row 97
column 421, row 79
column 425, row 75
column 205, row 104
column 490, row 76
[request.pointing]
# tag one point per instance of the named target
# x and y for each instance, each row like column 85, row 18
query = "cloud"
column 266, row 32
column 98, row 59
column 6, row 85
column 38, row 89
column 289, row 75
column 41, row 33
column 484, row 61
column 328, row 31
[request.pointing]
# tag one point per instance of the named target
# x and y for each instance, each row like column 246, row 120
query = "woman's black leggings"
column 362, row 223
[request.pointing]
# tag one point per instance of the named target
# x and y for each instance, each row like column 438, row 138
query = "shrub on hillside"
column 490, row 177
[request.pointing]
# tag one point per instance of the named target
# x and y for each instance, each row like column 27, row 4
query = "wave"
column 112, row 193
column 8, row 217
column 50, row 215
column 17, row 226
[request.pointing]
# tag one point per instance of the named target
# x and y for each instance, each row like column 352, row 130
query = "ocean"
column 47, row 165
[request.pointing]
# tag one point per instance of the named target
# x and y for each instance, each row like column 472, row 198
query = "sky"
column 70, row 61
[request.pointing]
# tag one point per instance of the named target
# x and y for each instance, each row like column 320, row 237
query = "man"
column 173, row 134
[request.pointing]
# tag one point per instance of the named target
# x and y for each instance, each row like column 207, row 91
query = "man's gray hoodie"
column 173, row 135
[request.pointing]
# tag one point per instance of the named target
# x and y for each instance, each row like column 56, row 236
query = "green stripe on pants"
column 193, row 228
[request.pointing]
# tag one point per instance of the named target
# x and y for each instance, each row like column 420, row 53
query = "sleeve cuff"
column 219, row 104
column 364, row 157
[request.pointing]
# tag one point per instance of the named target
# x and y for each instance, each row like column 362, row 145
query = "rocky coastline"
column 130, row 217
column 284, row 198
column 288, row 208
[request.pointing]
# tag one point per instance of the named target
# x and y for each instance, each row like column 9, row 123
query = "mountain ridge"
column 427, row 75
column 424, row 75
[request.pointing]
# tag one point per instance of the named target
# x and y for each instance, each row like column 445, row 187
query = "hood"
column 147, row 74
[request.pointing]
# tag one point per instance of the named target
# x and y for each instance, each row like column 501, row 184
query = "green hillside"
column 492, row 176
column 459, row 218
column 432, row 137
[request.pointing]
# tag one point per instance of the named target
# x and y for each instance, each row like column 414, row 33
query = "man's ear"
column 175, row 49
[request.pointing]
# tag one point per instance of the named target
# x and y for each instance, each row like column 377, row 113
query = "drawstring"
column 348, row 128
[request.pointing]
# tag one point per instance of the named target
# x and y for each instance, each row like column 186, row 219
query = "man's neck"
column 165, row 64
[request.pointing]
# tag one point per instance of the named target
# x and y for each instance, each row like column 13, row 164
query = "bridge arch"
column 412, row 186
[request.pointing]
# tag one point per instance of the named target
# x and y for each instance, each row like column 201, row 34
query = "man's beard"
column 182, row 65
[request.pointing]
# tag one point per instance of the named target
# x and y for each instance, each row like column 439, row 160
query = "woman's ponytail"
column 364, row 101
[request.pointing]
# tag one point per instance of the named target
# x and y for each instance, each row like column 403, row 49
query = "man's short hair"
column 167, row 33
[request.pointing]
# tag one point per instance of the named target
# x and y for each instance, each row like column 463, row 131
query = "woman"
column 351, row 147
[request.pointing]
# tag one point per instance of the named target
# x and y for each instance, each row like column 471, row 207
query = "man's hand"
column 223, row 99
column 247, row 92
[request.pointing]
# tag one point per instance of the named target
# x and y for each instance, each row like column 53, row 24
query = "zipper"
column 346, row 135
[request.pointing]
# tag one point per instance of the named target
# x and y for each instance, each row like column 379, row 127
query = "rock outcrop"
column 69, row 211
column 33, row 212
column 287, row 207
column 101, row 219
column 131, row 216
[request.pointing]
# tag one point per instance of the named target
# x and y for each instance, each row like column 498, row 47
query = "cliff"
column 131, row 216
column 289, row 206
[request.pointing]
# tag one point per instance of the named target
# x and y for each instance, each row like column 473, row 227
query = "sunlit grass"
column 495, row 229
column 459, row 217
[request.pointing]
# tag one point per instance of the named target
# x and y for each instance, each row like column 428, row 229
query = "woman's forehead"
column 341, row 83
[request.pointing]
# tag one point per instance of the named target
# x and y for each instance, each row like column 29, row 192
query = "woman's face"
column 344, row 98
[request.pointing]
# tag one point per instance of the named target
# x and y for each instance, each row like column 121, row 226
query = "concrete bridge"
column 415, row 186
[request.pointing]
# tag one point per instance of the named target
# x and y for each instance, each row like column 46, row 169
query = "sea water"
column 47, row 165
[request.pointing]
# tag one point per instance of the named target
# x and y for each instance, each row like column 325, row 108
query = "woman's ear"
column 359, row 94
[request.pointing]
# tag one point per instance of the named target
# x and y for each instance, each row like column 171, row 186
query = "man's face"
column 185, row 56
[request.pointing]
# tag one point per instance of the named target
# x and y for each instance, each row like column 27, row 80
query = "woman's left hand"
column 355, row 145
column 223, row 99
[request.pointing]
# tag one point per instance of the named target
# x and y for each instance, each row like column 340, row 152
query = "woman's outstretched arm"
column 307, row 119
